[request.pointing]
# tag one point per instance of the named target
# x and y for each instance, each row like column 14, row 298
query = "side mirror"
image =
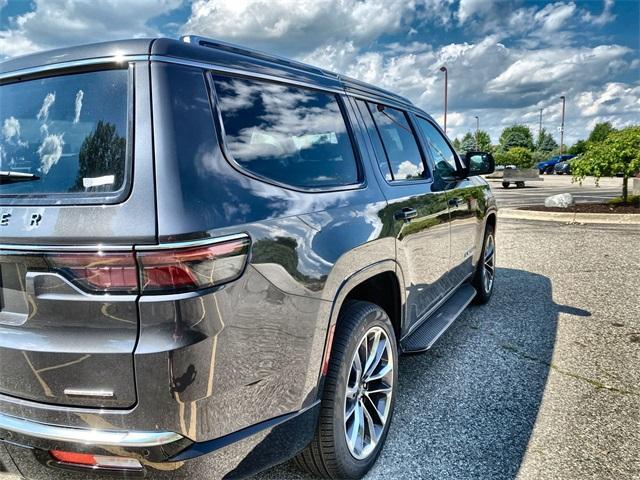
column 479, row 163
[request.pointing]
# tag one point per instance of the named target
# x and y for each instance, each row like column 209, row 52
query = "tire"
column 483, row 287
column 505, row 184
column 549, row 171
column 519, row 184
column 329, row 454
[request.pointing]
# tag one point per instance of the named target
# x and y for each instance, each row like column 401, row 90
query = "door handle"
column 406, row 214
column 454, row 202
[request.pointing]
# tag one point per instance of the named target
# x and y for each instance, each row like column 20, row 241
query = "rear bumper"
column 236, row 455
column 115, row 438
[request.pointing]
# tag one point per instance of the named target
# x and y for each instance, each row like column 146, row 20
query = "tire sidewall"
column 482, row 296
column 354, row 468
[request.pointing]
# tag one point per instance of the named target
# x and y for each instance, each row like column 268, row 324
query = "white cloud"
column 605, row 17
column 50, row 152
column 11, row 129
column 554, row 16
column 55, row 23
column 573, row 66
column 49, row 100
column 469, row 8
column 78, row 106
column 294, row 26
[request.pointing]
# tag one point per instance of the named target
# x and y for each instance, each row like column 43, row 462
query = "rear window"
column 64, row 137
column 292, row 135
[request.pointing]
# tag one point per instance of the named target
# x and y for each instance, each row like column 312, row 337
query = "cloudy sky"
column 507, row 59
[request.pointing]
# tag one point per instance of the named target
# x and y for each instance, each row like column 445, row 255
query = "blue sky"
column 507, row 59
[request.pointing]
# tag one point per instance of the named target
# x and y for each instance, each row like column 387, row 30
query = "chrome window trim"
column 98, row 247
column 193, row 243
column 87, row 436
column 113, row 59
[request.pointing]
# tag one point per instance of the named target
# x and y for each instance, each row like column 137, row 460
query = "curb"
column 613, row 218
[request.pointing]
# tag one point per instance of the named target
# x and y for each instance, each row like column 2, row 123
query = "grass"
column 631, row 200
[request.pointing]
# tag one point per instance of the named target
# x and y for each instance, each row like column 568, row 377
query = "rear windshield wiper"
column 7, row 176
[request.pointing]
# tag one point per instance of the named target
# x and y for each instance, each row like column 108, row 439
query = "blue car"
column 548, row 165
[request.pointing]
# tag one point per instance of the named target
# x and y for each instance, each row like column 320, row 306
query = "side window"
column 443, row 156
column 381, row 156
column 399, row 143
column 292, row 135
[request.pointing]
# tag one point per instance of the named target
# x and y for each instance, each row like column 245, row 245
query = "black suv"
column 212, row 257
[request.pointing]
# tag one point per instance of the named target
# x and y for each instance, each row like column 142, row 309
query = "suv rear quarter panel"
column 263, row 336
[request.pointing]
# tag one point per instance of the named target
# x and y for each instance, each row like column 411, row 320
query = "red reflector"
column 102, row 461
column 72, row 457
column 327, row 350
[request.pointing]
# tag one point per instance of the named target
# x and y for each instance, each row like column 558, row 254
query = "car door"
column 463, row 197
column 416, row 210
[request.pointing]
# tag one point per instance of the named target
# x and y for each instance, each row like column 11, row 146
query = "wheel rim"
column 488, row 272
column 368, row 394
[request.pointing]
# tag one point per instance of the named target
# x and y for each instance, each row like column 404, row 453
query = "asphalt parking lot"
column 534, row 193
column 541, row 383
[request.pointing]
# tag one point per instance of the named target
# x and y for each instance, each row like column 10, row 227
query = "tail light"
column 154, row 271
column 102, row 272
column 192, row 268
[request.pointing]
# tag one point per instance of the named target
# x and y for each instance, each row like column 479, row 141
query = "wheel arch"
column 355, row 287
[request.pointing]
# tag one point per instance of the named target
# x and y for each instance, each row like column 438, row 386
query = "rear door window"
column 292, row 135
column 399, row 143
column 64, row 137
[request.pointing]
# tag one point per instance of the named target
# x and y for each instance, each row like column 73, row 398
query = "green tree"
column 470, row 143
column 618, row 153
column 456, row 144
column 545, row 142
column 520, row 157
column 102, row 153
column 516, row 136
column 600, row 132
column 578, row 148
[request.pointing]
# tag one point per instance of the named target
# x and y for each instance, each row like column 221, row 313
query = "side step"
column 426, row 334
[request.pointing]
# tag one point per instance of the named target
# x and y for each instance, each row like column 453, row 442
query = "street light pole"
column 477, row 133
column 446, row 83
column 540, row 125
column 562, row 126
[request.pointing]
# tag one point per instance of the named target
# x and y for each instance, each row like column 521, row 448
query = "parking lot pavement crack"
column 598, row 385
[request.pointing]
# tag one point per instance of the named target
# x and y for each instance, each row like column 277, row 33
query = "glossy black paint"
column 212, row 363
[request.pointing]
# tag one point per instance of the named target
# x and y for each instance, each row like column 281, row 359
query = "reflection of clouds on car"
column 407, row 169
column 297, row 130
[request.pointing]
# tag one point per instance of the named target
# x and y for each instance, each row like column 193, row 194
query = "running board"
column 426, row 334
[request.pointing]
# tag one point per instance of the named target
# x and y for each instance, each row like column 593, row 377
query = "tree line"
column 605, row 152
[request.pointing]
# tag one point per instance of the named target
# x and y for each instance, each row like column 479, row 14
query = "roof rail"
column 230, row 47
column 233, row 48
